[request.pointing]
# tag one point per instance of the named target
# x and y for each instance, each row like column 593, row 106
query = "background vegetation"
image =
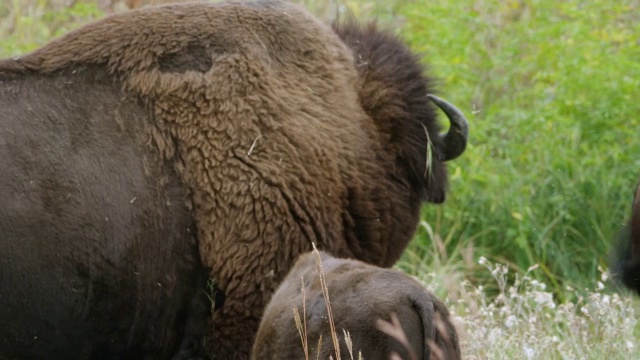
column 551, row 88
column 552, row 92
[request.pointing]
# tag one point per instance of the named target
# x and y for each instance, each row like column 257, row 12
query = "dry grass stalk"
column 327, row 301
column 441, row 328
column 301, row 325
column 319, row 346
column 302, row 332
column 347, row 340
column 436, row 352
column 394, row 329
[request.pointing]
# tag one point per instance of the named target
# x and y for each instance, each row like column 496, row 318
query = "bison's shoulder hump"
column 170, row 37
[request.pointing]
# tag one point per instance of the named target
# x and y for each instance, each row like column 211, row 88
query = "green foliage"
column 550, row 89
column 26, row 25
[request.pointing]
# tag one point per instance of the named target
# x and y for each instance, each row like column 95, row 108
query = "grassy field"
column 520, row 249
column 551, row 90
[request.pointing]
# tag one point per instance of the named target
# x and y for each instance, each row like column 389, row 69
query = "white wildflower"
column 529, row 352
column 600, row 285
column 543, row 298
column 504, row 270
column 482, row 260
column 538, row 284
column 584, row 310
column 495, row 335
column 532, row 267
column 510, row 321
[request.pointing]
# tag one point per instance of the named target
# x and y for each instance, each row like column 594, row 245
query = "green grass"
column 26, row 25
column 552, row 92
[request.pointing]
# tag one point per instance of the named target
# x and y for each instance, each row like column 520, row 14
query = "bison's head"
column 394, row 92
column 627, row 265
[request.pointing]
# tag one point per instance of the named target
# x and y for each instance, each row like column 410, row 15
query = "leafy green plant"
column 25, row 25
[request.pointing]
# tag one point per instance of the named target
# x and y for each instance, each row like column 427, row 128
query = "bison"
column 626, row 268
column 152, row 152
column 359, row 296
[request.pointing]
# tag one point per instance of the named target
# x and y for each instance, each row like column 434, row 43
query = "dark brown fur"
column 271, row 129
column 99, row 257
column 359, row 294
column 627, row 263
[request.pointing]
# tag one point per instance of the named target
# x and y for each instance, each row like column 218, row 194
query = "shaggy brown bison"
column 627, row 266
column 151, row 150
column 360, row 295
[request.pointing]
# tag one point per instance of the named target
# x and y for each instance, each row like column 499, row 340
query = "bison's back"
column 95, row 236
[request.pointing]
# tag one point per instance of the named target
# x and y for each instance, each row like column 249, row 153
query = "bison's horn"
column 455, row 140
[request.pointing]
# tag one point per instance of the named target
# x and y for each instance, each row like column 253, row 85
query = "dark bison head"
column 394, row 92
column 627, row 262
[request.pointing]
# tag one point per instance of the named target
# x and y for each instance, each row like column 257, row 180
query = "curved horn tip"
column 455, row 140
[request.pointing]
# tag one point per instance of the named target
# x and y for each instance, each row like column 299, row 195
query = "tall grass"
column 551, row 90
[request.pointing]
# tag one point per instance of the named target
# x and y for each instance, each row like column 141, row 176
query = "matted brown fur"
column 284, row 130
column 359, row 294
